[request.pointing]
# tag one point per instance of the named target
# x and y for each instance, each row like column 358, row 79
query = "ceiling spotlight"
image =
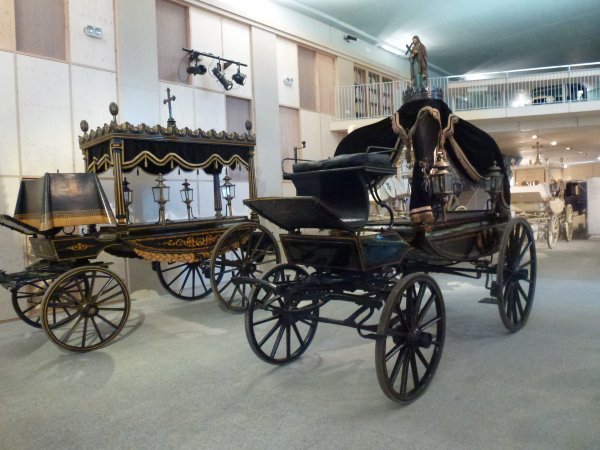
column 239, row 77
column 198, row 69
column 219, row 75
column 553, row 143
column 567, row 148
column 534, row 136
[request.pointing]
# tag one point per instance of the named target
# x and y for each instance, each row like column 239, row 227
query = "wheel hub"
column 89, row 309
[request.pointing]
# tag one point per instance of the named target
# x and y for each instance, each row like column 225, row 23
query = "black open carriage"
column 79, row 302
column 335, row 252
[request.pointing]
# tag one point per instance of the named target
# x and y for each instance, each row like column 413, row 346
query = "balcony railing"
column 510, row 89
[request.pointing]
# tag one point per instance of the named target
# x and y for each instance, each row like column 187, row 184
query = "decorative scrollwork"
column 193, row 241
column 79, row 247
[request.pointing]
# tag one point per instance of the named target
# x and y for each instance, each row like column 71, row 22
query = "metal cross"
column 170, row 98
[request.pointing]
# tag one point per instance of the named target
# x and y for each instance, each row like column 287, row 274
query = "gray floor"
column 183, row 376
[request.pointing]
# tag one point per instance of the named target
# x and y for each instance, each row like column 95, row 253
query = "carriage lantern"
column 442, row 181
column 127, row 197
column 161, row 196
column 187, row 197
column 493, row 183
column 228, row 191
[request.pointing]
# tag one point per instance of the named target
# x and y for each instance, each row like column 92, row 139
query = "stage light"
column 219, row 75
column 196, row 70
column 238, row 77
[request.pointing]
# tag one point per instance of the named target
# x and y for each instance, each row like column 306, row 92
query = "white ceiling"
column 465, row 36
column 474, row 36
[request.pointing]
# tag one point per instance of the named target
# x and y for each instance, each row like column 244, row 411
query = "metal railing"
column 509, row 89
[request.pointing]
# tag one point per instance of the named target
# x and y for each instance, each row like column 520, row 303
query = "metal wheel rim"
column 85, row 309
column 517, row 266
column 411, row 340
column 186, row 281
column 281, row 332
column 238, row 253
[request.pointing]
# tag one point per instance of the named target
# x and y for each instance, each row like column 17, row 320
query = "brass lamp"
column 187, row 197
column 442, row 181
column 160, row 193
column 228, row 191
column 127, row 198
column 493, row 184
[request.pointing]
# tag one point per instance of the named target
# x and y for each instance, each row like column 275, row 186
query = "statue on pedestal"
column 418, row 63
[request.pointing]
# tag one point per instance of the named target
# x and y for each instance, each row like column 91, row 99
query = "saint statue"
column 418, row 63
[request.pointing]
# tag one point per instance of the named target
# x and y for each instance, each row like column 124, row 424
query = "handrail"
column 506, row 89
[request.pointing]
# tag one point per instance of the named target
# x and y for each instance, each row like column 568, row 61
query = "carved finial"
column 84, row 126
column 248, row 125
column 113, row 108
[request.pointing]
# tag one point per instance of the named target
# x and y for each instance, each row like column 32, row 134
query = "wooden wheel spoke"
column 201, row 278
column 68, row 335
column 426, row 308
column 110, row 297
column 176, row 277
column 398, row 365
column 298, row 334
column 395, row 349
column 422, row 358
column 427, row 324
column 105, row 320
column 84, row 334
column 404, row 376
column 268, row 319
column 64, row 321
column 415, row 370
column 168, row 269
column 185, row 280
column 270, row 333
column 97, row 328
column 288, row 340
column 277, row 340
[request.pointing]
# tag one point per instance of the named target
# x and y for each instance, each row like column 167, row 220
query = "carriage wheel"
column 27, row 300
column 568, row 223
column 553, row 230
column 85, row 308
column 516, row 273
column 411, row 331
column 281, row 325
column 187, row 281
column 246, row 250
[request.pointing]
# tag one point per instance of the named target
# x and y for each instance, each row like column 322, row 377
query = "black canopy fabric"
column 471, row 150
column 62, row 200
column 160, row 150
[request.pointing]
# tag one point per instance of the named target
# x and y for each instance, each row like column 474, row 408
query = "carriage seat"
column 367, row 161
column 331, row 193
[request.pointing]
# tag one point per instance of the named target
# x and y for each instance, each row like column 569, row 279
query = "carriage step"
column 489, row 300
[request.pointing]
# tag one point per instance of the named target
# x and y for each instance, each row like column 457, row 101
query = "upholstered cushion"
column 370, row 160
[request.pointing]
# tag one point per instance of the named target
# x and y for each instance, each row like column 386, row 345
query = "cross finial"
column 170, row 98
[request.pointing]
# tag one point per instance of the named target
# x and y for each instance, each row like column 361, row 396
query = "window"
column 172, row 26
column 40, row 27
